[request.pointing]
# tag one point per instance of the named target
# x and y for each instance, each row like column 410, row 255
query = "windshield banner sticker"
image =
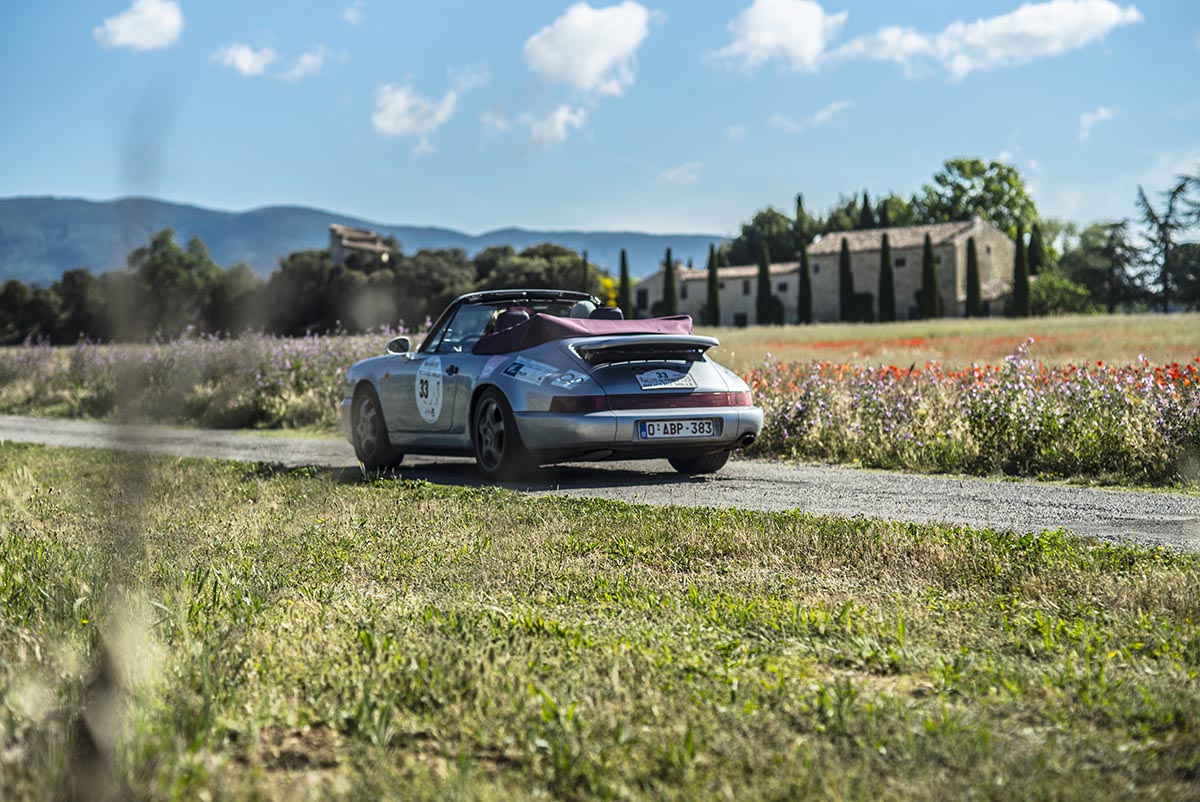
column 665, row 379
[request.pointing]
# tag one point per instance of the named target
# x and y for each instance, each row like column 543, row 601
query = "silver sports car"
column 519, row 378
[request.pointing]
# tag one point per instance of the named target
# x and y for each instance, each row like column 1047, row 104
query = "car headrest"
column 607, row 313
column 509, row 318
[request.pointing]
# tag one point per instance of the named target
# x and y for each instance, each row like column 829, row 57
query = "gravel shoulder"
column 1153, row 518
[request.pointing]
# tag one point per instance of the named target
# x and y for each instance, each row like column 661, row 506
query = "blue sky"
column 655, row 116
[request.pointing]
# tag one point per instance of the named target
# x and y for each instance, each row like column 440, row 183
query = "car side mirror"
column 399, row 345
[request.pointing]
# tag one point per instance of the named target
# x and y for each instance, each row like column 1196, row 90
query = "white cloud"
column 794, row 32
column 146, row 25
column 1090, row 118
column 496, row 121
column 684, row 175
column 402, row 111
column 555, row 127
column 309, row 63
column 591, row 49
column 823, row 116
column 1004, row 156
column 736, row 132
column 245, row 59
column 1032, row 31
column 353, row 13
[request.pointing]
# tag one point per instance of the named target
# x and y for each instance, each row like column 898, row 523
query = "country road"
column 1152, row 518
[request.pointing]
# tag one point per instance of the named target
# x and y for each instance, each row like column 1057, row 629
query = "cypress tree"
column 1037, row 251
column 713, row 304
column 800, row 224
column 805, row 301
column 1020, row 305
column 845, row 284
column 584, row 259
column 974, row 293
column 763, row 300
column 670, row 287
column 884, row 218
column 866, row 217
column 930, row 299
column 887, row 283
column 624, row 290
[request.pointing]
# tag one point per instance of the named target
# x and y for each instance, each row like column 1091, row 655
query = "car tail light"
column 579, row 403
column 679, row 400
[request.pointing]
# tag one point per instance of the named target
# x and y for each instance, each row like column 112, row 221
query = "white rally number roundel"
column 429, row 389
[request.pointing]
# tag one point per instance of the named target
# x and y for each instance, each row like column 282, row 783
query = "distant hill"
column 42, row 237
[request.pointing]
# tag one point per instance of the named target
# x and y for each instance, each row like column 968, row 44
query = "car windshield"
column 472, row 321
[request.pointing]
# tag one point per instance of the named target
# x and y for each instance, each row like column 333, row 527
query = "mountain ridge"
column 43, row 236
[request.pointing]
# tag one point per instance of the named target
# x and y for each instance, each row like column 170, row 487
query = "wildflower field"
column 1030, row 408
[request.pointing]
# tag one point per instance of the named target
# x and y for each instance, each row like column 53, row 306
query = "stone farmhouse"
column 739, row 284
column 347, row 240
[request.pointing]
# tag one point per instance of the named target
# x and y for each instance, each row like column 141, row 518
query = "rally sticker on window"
column 428, row 389
column 529, row 371
column 569, row 379
column 665, row 379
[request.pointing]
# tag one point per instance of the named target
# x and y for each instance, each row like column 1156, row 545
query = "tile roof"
column 898, row 238
column 736, row 272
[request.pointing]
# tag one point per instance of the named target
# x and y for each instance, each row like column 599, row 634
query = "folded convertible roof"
column 543, row 328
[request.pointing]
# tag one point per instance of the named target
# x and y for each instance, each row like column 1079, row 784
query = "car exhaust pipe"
column 747, row 440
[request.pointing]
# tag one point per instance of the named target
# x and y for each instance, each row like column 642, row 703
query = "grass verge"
column 221, row 630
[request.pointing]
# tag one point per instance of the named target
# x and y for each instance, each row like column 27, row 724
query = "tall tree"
column 887, row 283
column 770, row 226
column 1163, row 230
column 866, row 217
column 763, row 299
column 884, row 219
column 965, row 187
column 670, row 286
column 805, row 300
column 846, row 307
column 1037, row 251
column 974, row 291
column 805, row 226
column 1020, row 306
column 930, row 297
column 712, row 303
column 624, row 290
column 583, row 278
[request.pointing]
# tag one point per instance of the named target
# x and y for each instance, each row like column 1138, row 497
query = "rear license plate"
column 669, row 429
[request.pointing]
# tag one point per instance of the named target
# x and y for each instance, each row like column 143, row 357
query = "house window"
column 937, row 259
column 989, row 250
column 746, row 287
column 739, row 320
column 643, row 299
column 816, row 269
column 683, row 290
column 722, row 284
column 782, row 286
column 901, row 261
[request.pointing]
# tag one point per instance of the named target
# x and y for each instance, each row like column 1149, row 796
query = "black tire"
column 705, row 463
column 499, row 452
column 371, row 444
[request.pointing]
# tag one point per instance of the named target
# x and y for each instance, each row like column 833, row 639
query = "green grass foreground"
column 320, row 635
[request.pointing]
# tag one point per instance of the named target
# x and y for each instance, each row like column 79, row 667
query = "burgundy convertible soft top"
column 542, row 328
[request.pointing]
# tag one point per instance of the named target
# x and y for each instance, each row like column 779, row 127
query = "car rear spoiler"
column 600, row 351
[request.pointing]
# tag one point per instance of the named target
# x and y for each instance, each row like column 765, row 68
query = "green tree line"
column 168, row 290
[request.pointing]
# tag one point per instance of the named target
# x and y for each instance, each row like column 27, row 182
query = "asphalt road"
column 1156, row 518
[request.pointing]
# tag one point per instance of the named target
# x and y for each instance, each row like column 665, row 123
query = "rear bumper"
column 552, row 436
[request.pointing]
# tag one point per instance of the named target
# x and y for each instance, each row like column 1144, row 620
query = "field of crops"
column 180, row 629
column 1109, row 399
